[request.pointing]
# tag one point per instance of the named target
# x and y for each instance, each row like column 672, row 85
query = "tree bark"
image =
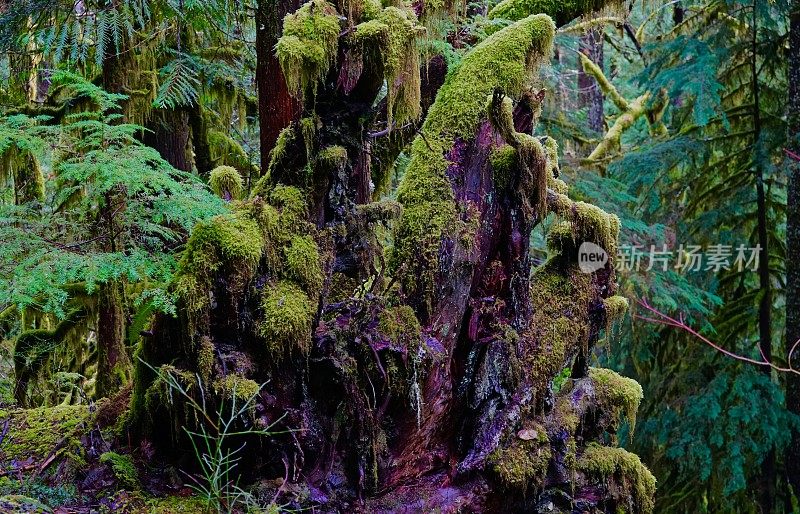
column 793, row 241
column 113, row 362
column 591, row 96
column 276, row 107
column 768, row 472
column 169, row 134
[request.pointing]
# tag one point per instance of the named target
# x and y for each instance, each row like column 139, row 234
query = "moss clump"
column 205, row 358
column 395, row 31
column 288, row 313
column 225, row 151
column 401, row 326
column 177, row 505
column 19, row 503
column 560, row 298
column 505, row 61
column 303, row 263
column 616, row 395
column 561, row 11
column 226, row 182
column 333, row 156
column 626, row 471
column 560, row 238
column 123, row 467
column 37, row 433
column 235, row 387
column 309, row 45
column 524, row 462
column 235, row 239
column 504, row 162
column 615, row 307
column 589, row 223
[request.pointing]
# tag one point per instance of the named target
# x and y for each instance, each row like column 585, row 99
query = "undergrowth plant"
column 216, row 451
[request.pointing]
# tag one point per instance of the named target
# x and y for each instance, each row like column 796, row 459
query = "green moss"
column 37, row 433
column 400, row 326
column 23, row 166
column 235, row 386
column 589, row 223
column 205, row 358
column 560, row 10
column 333, row 157
column 234, row 239
column 560, row 297
column 225, row 151
column 123, row 467
column 616, row 394
column 506, row 60
column 504, row 163
column 288, row 313
column 177, row 505
column 560, row 238
column 309, row 45
column 226, row 182
column 625, row 470
column 524, row 462
column 19, row 503
column 303, row 263
column 615, row 307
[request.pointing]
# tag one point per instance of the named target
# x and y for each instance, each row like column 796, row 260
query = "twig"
column 663, row 319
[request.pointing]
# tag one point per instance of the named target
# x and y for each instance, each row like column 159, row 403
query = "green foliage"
column 123, row 467
column 99, row 163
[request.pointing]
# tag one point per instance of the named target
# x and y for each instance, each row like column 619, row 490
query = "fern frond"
column 179, row 84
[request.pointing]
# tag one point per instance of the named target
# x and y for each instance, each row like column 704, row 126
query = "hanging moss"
column 123, row 467
column 205, row 358
column 506, row 60
column 225, row 151
column 615, row 307
column 616, row 394
column 309, row 45
column 226, row 182
column 288, row 313
column 624, row 469
column 23, row 167
column 561, row 11
column 303, row 263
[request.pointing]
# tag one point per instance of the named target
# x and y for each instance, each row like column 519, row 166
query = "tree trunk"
column 591, row 95
column 768, row 473
column 424, row 383
column 793, row 241
column 276, row 107
column 169, row 134
column 113, row 363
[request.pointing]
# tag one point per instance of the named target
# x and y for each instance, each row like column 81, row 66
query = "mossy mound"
column 226, row 182
column 616, row 394
column 561, row 11
column 303, row 263
column 123, row 468
column 626, row 471
column 36, row 434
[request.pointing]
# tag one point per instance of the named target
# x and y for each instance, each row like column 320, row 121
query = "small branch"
column 663, row 319
column 791, row 154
